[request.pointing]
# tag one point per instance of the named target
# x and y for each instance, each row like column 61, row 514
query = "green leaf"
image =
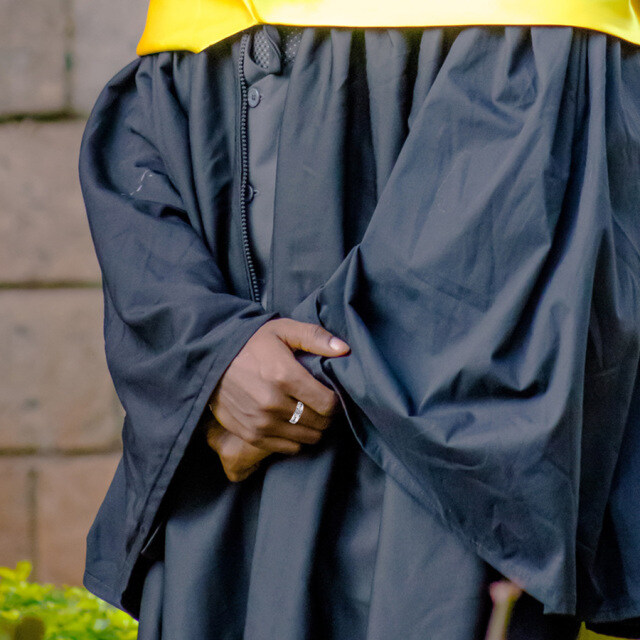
column 11, row 616
column 61, row 613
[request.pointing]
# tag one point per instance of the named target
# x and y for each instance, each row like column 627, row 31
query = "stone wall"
column 60, row 419
column 55, row 55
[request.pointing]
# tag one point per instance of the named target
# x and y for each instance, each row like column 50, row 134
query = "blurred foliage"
column 31, row 611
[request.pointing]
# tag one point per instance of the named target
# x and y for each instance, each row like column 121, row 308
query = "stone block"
column 70, row 491
column 33, row 41
column 44, row 234
column 55, row 393
column 16, row 501
column 106, row 35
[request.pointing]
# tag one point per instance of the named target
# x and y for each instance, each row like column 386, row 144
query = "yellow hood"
column 193, row 25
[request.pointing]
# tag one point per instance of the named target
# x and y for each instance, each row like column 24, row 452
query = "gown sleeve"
column 171, row 325
column 492, row 312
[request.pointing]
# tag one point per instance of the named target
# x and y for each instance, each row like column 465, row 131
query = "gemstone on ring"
column 297, row 413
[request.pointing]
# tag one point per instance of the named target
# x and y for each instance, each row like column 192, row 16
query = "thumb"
column 310, row 337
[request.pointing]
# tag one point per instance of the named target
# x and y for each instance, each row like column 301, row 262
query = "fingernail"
column 338, row 345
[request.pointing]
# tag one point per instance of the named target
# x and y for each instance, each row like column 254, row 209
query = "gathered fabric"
column 461, row 206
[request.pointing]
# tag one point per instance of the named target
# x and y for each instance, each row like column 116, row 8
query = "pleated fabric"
column 363, row 560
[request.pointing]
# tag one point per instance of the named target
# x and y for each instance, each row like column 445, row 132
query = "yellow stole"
column 193, row 25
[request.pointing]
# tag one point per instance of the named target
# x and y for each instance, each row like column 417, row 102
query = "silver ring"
column 297, row 413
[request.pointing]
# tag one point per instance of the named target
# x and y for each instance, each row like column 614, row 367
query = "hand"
column 259, row 391
column 239, row 459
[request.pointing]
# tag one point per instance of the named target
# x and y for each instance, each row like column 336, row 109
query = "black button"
column 250, row 192
column 253, row 97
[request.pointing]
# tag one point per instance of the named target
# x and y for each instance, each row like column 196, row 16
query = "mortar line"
column 32, row 506
column 58, row 115
column 23, row 452
column 69, row 37
column 31, row 285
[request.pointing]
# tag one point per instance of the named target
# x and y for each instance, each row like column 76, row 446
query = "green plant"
column 32, row 611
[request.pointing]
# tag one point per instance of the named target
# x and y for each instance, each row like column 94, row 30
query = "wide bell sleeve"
column 171, row 325
column 492, row 308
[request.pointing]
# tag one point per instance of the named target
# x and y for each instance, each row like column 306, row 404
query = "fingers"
column 302, row 433
column 308, row 419
column 239, row 459
column 275, row 401
column 257, row 395
column 299, row 384
column 259, row 436
column 239, row 476
column 282, row 378
column 270, row 426
column 215, row 434
column 310, row 337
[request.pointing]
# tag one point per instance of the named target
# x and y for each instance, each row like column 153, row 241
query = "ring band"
column 297, row 413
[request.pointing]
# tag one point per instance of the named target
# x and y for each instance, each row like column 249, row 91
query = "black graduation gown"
column 461, row 206
column 345, row 572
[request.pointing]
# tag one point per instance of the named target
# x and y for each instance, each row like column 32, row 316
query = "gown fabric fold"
column 461, row 206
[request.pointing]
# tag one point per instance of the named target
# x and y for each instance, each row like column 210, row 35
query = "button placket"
column 267, row 80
